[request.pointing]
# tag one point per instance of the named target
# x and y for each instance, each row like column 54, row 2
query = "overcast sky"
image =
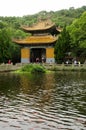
column 27, row 7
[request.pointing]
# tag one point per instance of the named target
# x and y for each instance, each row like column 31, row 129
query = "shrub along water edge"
column 32, row 68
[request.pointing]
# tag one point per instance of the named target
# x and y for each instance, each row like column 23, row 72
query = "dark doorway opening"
column 37, row 53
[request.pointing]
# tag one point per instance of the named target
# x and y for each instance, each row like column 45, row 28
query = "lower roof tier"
column 33, row 40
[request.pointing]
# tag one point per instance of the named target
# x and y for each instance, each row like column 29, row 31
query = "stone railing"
column 9, row 67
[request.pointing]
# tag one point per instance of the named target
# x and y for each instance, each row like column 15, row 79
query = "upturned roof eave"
column 34, row 43
column 37, row 40
column 32, row 29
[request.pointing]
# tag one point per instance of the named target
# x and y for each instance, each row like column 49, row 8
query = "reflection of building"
column 40, row 44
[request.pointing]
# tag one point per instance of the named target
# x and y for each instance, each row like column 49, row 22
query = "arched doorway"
column 37, row 53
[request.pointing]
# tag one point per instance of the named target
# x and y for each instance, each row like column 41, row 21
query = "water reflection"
column 52, row 101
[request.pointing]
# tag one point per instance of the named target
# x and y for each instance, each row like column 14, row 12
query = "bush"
column 33, row 68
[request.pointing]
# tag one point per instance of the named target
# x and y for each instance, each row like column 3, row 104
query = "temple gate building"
column 40, row 45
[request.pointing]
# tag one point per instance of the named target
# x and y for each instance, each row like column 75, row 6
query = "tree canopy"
column 62, row 46
column 77, row 32
column 72, row 39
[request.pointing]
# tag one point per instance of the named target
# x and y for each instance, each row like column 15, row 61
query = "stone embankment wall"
column 52, row 67
column 65, row 67
column 9, row 67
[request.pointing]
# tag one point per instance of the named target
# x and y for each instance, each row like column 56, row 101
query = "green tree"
column 19, row 34
column 8, row 50
column 62, row 46
column 77, row 32
column 4, row 45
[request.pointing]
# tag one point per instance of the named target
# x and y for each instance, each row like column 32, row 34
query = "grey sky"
column 27, row 7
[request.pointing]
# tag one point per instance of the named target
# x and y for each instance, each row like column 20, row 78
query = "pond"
column 54, row 101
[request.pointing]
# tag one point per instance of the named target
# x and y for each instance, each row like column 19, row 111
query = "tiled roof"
column 36, row 40
column 38, row 27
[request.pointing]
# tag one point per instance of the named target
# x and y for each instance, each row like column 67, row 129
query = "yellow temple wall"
column 50, row 55
column 50, row 52
column 25, row 55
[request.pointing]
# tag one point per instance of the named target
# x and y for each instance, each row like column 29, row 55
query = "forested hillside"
column 10, row 27
column 61, row 18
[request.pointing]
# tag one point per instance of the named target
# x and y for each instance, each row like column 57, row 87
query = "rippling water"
column 55, row 101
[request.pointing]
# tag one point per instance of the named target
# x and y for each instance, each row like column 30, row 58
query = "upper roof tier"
column 42, row 26
column 34, row 40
